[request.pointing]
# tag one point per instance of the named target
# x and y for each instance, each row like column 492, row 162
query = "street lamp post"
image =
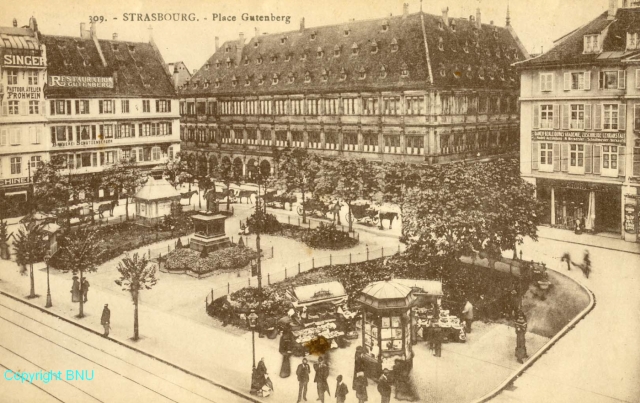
column 259, row 264
column 47, row 256
column 252, row 318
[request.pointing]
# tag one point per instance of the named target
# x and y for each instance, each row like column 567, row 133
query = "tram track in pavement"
column 8, row 311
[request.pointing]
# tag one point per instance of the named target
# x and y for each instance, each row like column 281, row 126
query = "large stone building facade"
column 580, row 125
column 415, row 87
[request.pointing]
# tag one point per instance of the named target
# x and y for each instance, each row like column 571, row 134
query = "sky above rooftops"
column 537, row 23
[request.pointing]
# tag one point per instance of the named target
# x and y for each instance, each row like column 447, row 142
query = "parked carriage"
column 279, row 201
column 223, row 194
column 362, row 213
column 315, row 207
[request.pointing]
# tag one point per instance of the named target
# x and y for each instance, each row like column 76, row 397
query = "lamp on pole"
column 47, row 256
column 259, row 265
column 253, row 322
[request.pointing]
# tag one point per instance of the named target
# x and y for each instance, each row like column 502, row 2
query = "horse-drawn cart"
column 315, row 207
column 362, row 213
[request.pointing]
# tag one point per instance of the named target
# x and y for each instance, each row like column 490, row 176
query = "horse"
column 387, row 215
column 109, row 206
column 187, row 195
column 246, row 194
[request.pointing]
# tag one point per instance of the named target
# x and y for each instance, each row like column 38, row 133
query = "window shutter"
column 69, row 107
column 100, row 106
column 601, row 80
column 567, row 81
column 636, row 162
column 597, row 123
column 157, row 105
column 596, row 159
column 113, row 106
column 622, row 161
column 622, row 117
column 53, row 135
column 622, row 79
column 636, row 117
column 556, row 116
column 169, row 105
column 3, row 137
column 88, row 105
column 77, row 107
column 565, row 116
column 536, row 116
column 24, row 108
column 18, row 136
column 587, row 116
column 133, row 130
column 588, row 158
column 140, row 129
column 564, row 157
column 541, row 79
column 53, row 107
column 587, row 80
column 32, row 135
column 637, row 78
column 93, row 132
column 534, row 155
column 556, row 157
column 38, row 134
column 78, row 134
column 170, row 128
column 551, row 82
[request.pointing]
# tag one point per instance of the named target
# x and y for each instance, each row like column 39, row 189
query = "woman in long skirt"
column 521, row 330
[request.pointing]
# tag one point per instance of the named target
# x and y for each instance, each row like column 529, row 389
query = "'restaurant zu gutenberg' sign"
column 86, row 82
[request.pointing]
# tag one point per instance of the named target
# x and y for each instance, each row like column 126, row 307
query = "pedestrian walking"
column 341, row 390
column 85, row 288
column 586, row 264
column 303, row 372
column 105, row 320
column 566, row 258
column 437, row 340
column 521, row 329
column 263, row 376
column 358, row 365
column 75, row 290
column 467, row 315
column 384, row 387
column 360, row 386
column 286, row 345
column 322, row 373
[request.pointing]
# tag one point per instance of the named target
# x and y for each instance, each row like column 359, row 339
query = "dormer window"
column 394, row 45
column 206, row 83
column 516, row 56
column 132, row 49
column 217, row 83
column 291, row 78
column 274, row 58
column 441, row 70
column 259, row 60
column 469, row 72
column 234, row 81
column 283, row 40
column 632, row 41
column 114, row 46
column 260, row 79
column 465, row 47
column 495, row 33
column 274, row 79
column 228, row 61
column 227, row 49
column 346, row 32
column 313, row 36
column 404, row 72
column 303, row 56
column 255, row 44
column 362, row 73
column 336, row 51
column 206, row 66
column 502, row 77
column 287, row 57
column 217, row 64
column 481, row 73
column 383, row 72
column 246, row 60
column 307, row 77
column 325, row 75
column 343, row 74
column 456, row 72
column 354, row 49
column 374, row 47
column 591, row 44
column 491, row 74
column 247, row 81
column 320, row 52
column 385, row 26
column 453, row 25
column 498, row 53
column 195, row 85
column 440, row 44
column 440, row 26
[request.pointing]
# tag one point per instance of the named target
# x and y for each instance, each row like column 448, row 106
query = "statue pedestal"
column 209, row 232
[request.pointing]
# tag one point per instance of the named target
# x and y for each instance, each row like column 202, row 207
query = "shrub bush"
column 328, row 237
column 265, row 223
column 222, row 259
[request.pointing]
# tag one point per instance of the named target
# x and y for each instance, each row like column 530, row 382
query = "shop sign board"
column 579, row 136
column 14, row 181
column 577, row 185
column 85, row 82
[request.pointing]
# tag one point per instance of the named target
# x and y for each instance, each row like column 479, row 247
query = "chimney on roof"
column 508, row 23
column 175, row 76
column 445, row 16
column 217, row 43
column 301, row 24
column 491, row 22
column 405, row 10
column 115, row 36
column 256, row 33
column 478, row 19
column 33, row 24
column 150, row 29
column 92, row 30
column 612, row 9
column 15, row 23
column 239, row 49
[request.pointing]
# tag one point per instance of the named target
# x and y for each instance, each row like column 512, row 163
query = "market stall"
column 319, row 310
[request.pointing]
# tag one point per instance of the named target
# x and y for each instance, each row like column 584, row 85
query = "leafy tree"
column 297, row 172
column 124, row 175
column 136, row 275
column 52, row 189
column 4, row 240
column 176, row 170
column 30, row 246
column 395, row 178
column 348, row 180
column 80, row 252
column 227, row 175
column 205, row 183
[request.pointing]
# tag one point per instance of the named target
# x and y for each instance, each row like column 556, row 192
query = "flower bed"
column 185, row 259
column 486, row 288
column 323, row 237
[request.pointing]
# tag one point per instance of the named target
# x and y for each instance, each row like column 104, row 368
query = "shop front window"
column 391, row 333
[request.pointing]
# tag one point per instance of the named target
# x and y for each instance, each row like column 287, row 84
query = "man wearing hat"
column 384, row 387
column 105, row 320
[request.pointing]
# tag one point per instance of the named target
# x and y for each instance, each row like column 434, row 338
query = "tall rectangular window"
column 280, row 106
column 392, row 144
column 313, row 106
column 331, row 141
column 331, row 106
column 35, row 162
column 16, row 165
column 610, row 158
column 12, row 77
column 13, row 108
column 349, row 106
column 577, row 81
column 82, row 107
column 164, row 106
column 546, row 157
column 34, row 107
column 146, row 106
column 546, row 81
column 370, row 142
column 391, row 106
column 610, row 118
column 32, row 77
column 350, row 141
column 296, row 106
column 546, row 116
column 576, row 158
column 577, row 117
column 414, row 105
column 124, row 106
column 370, row 106
column 106, row 106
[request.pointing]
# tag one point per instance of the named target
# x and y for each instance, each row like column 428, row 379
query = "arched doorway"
column 252, row 170
column 237, row 167
column 265, row 168
column 226, row 160
column 213, row 165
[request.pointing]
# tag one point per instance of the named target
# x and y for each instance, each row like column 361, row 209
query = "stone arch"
column 238, row 166
column 265, row 168
column 225, row 160
column 213, row 164
column 252, row 169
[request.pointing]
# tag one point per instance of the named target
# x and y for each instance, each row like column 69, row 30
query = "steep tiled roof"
column 297, row 56
column 139, row 69
column 571, row 49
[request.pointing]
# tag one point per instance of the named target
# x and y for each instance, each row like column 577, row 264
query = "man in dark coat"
column 85, row 288
column 384, row 387
column 105, row 320
column 322, row 373
column 341, row 390
column 437, row 340
column 303, row 372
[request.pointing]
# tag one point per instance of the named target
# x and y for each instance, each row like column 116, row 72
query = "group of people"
column 585, row 266
column 79, row 290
